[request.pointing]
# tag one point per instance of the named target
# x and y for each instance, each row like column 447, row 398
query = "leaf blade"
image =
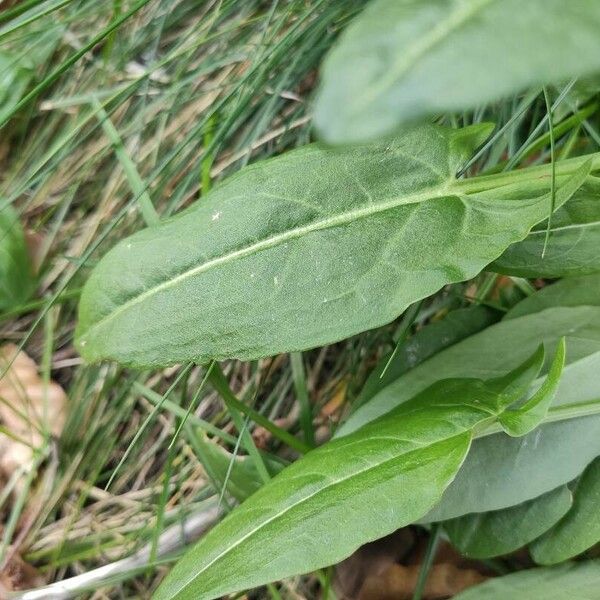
column 572, row 246
column 403, row 60
column 327, row 244
column 578, row 581
column 501, row 471
column 402, row 463
column 17, row 281
column 521, row 421
column 486, row 535
column 579, row 529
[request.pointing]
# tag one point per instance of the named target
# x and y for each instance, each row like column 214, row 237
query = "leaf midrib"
column 312, row 495
column 439, row 191
column 407, row 59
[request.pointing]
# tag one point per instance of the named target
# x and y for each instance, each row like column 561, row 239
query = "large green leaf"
column 307, row 249
column 402, row 60
column 501, row 471
column 575, row 291
column 570, row 581
column 579, row 529
column 493, row 533
column 16, row 273
column 484, row 535
column 380, row 478
column 573, row 246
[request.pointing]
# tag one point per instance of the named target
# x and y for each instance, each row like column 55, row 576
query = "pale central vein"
column 306, row 498
column 438, row 191
column 407, row 57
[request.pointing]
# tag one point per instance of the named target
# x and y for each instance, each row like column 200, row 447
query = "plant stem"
column 564, row 412
column 434, row 538
column 553, row 170
column 564, row 168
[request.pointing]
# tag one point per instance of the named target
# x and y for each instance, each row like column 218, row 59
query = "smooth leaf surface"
column 494, row 533
column 579, row 529
column 307, row 249
column 399, row 464
column 501, row 471
column 575, row 581
column 575, row 291
column 402, row 60
column 16, row 275
column 573, row 247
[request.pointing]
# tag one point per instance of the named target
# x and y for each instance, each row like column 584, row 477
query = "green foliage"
column 572, row 580
column 16, row 272
column 323, row 243
column 430, row 340
column 524, row 419
column 579, row 529
column 18, row 69
column 578, row 291
column 501, row 471
column 402, row 462
column 489, row 534
column 402, row 60
column 307, row 249
column 572, row 246
column 238, row 474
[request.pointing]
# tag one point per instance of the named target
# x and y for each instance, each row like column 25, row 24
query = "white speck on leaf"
column 216, row 216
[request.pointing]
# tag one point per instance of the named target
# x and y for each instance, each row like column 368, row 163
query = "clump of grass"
column 159, row 109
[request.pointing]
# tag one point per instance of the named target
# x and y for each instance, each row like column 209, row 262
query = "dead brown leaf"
column 398, row 582
column 28, row 409
column 371, row 560
column 331, row 410
column 388, row 569
column 18, row 575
